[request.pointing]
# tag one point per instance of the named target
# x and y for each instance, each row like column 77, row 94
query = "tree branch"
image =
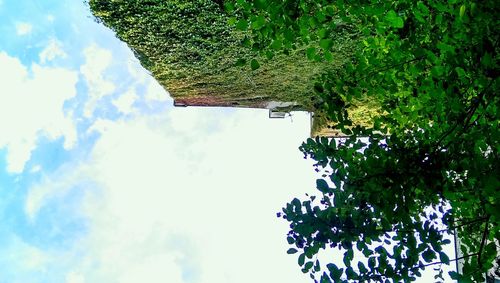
column 440, row 262
column 385, row 68
column 466, row 121
column 471, row 222
column 483, row 241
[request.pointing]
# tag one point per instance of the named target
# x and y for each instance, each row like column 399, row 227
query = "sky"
column 103, row 180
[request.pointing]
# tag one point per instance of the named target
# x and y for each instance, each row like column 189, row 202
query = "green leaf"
column 454, row 275
column 308, row 265
column 246, row 42
column 289, row 35
column 231, row 21
column 276, row 44
column 311, row 53
column 291, row 251
column 242, row 25
column 462, row 11
column 351, row 274
column 348, row 256
column 362, row 268
column 423, row 8
column 394, row 20
column 444, row 258
column 258, row 23
column 367, row 252
column 228, row 6
column 360, row 245
column 260, row 4
column 326, row 44
column 444, row 47
column 322, row 186
column 302, row 258
column 254, row 64
column 328, row 56
column 241, row 62
column 335, row 272
column 317, row 266
column 322, row 33
column 269, row 55
column 460, row 72
column 428, row 255
column 371, row 262
column 324, row 278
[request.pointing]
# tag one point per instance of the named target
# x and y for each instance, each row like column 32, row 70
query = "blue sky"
column 102, row 180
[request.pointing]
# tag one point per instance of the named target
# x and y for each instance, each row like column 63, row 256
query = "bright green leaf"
column 394, row 20
column 462, row 11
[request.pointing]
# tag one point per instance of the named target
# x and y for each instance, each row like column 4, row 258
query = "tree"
column 427, row 165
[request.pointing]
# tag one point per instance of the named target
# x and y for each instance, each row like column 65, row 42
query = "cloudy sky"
column 102, row 180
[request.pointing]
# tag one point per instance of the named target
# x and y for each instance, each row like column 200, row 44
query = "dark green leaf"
column 242, row 24
column 301, row 260
column 322, row 186
column 326, row 44
column 254, row 64
column 241, row 62
column 444, row 258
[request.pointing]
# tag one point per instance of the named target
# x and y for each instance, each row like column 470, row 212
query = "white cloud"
column 136, row 70
column 74, row 277
column 52, row 51
column 142, row 89
column 125, row 102
column 36, row 169
column 186, row 120
column 19, row 154
column 190, row 204
column 155, row 92
column 154, row 269
column 23, row 28
column 97, row 60
column 56, row 186
column 32, row 104
column 25, row 256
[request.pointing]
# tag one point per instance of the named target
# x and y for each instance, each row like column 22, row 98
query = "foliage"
column 428, row 164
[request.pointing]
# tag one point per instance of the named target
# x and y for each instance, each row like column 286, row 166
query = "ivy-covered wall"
column 192, row 51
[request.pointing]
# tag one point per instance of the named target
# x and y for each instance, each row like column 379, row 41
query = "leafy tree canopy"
column 428, row 164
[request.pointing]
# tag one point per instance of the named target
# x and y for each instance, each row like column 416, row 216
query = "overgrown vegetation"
column 190, row 48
